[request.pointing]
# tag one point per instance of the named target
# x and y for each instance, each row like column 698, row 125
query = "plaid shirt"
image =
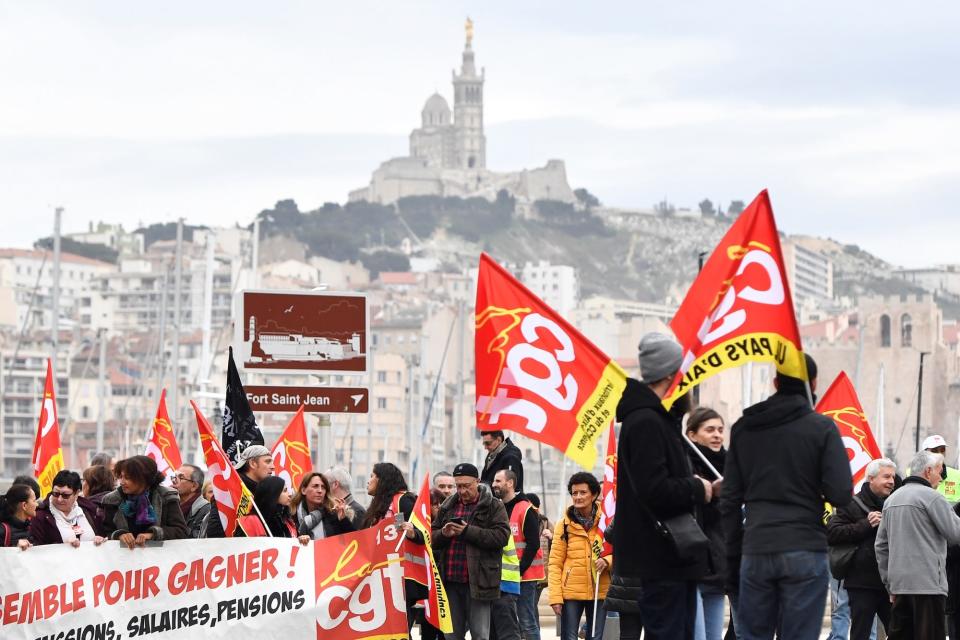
column 457, row 570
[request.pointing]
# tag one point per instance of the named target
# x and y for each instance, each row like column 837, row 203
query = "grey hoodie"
column 912, row 539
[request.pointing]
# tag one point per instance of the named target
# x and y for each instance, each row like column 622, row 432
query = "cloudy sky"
column 847, row 112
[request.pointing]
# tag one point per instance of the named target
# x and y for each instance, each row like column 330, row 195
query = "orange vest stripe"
column 535, row 572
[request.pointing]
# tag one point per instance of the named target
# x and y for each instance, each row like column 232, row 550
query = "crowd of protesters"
column 697, row 525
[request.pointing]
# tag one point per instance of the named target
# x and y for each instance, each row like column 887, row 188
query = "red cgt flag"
column 162, row 446
column 420, row 565
column 608, row 495
column 47, row 454
column 536, row 374
column 739, row 308
column 231, row 496
column 841, row 403
column 291, row 453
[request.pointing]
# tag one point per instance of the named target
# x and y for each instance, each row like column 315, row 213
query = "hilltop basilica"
column 448, row 153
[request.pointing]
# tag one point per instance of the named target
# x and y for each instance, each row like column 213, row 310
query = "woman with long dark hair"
column 390, row 498
column 17, row 507
column 140, row 508
column 317, row 513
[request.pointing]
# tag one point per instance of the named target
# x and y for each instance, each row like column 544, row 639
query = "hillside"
column 644, row 256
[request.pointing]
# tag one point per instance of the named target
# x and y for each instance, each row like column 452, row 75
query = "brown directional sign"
column 313, row 399
column 301, row 332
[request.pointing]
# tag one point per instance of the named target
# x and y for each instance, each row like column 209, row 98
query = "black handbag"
column 684, row 535
column 841, row 555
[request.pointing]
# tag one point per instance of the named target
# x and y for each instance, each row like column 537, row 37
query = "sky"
column 145, row 112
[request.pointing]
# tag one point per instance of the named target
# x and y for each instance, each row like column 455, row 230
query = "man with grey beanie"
column 655, row 482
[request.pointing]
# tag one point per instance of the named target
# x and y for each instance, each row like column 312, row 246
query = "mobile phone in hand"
column 399, row 519
column 459, row 521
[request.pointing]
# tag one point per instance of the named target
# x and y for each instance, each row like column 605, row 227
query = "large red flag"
column 420, row 566
column 608, row 495
column 231, row 496
column 162, row 446
column 841, row 403
column 739, row 308
column 536, row 374
column 47, row 454
column 291, row 453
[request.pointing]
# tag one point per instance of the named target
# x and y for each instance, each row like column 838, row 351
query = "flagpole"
column 702, row 457
column 596, row 597
column 262, row 519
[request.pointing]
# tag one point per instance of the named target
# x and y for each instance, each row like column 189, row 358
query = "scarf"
column 585, row 521
column 139, row 509
column 493, row 454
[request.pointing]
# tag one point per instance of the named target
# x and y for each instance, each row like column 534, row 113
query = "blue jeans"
column 711, row 604
column 840, row 615
column 570, row 619
column 788, row 588
column 527, row 611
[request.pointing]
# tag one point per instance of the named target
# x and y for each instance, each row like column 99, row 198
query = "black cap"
column 466, row 469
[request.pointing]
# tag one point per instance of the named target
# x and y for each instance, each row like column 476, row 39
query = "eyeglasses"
column 62, row 495
column 180, row 478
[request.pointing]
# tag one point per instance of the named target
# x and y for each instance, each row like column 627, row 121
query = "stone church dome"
column 436, row 111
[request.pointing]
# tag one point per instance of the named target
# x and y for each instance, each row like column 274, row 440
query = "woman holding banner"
column 141, row 509
column 318, row 514
column 65, row 516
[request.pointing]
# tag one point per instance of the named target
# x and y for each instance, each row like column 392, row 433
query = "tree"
column 664, row 208
column 586, row 198
column 706, row 207
column 379, row 261
column 736, row 208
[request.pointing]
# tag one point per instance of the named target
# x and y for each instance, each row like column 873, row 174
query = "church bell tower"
column 471, row 144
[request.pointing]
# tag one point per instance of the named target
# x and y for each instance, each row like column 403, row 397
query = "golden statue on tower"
column 468, row 27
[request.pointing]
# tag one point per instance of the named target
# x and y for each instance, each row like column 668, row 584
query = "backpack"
column 841, row 555
column 7, row 533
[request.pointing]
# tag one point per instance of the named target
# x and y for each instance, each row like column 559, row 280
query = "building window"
column 381, row 403
column 884, row 330
column 906, row 331
column 381, row 376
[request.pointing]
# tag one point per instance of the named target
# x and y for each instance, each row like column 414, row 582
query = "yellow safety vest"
column 950, row 487
column 510, row 569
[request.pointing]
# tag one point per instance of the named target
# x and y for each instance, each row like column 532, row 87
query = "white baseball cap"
column 932, row 442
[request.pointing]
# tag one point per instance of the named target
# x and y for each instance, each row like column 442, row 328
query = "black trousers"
column 916, row 617
column 864, row 605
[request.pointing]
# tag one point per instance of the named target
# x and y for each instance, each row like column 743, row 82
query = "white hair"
column 340, row 475
column 873, row 468
column 923, row 460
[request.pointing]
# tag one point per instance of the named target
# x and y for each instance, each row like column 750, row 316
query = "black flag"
column 240, row 428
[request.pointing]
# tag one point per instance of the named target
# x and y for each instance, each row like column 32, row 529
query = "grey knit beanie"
column 660, row 356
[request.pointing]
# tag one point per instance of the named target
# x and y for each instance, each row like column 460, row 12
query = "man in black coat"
column 254, row 464
column 854, row 524
column 501, row 454
column 654, row 481
column 785, row 461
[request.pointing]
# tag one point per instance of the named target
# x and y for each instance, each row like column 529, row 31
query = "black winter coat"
column 653, row 477
column 710, row 517
column 785, row 461
column 849, row 525
column 15, row 530
column 510, row 458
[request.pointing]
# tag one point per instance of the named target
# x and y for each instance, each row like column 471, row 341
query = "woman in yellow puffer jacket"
column 577, row 560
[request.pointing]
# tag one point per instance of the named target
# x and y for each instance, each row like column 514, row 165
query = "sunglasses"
column 60, row 494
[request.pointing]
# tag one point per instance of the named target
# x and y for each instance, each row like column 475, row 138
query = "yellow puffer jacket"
column 572, row 572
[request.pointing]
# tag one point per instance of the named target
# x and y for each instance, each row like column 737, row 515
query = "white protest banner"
column 348, row 587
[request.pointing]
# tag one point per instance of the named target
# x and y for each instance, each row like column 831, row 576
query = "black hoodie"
column 785, row 461
column 653, row 476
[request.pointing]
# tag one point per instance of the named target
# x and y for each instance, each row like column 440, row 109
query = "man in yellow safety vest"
column 525, row 530
column 949, row 486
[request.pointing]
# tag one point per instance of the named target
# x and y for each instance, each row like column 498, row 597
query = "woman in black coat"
column 705, row 429
column 17, row 507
